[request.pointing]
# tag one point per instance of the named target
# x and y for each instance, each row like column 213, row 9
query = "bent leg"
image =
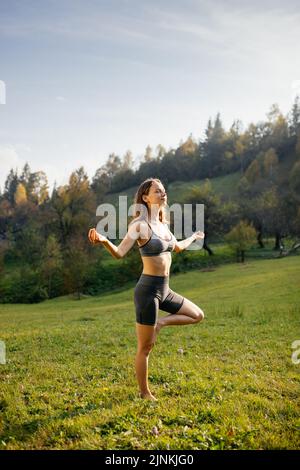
column 187, row 313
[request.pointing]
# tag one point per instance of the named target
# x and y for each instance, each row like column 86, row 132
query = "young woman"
column 152, row 292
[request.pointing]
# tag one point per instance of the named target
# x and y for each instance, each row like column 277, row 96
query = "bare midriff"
column 157, row 265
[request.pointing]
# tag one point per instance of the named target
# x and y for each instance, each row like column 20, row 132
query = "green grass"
column 69, row 380
column 223, row 185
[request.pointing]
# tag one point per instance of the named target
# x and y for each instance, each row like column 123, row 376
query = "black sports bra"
column 157, row 245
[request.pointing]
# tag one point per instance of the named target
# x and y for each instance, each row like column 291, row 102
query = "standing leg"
column 145, row 336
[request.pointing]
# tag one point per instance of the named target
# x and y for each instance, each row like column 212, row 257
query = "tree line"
column 43, row 244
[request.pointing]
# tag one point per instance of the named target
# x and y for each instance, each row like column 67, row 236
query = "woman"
column 152, row 292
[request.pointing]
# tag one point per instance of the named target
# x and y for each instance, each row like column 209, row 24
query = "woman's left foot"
column 157, row 329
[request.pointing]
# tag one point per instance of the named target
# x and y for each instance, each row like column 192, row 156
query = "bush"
column 23, row 286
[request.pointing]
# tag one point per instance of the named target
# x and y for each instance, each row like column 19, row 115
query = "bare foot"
column 148, row 396
column 156, row 330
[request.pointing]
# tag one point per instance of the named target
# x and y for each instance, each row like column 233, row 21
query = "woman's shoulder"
column 141, row 229
column 138, row 223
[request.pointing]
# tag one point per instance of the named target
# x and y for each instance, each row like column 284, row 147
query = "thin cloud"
column 217, row 28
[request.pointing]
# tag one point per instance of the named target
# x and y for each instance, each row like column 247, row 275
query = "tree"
column 294, row 117
column 160, row 152
column 25, row 175
column 270, row 163
column 213, row 149
column 29, row 241
column 102, row 181
column 100, row 184
column 148, row 154
column 113, row 165
column 276, row 129
column 128, row 161
column 297, row 146
column 273, row 214
column 253, row 172
column 20, row 195
column 52, row 261
column 205, row 195
column 38, row 187
column 10, row 186
column 294, row 179
column 234, row 148
column 188, row 147
column 240, row 238
column 76, row 266
column 244, row 187
column 74, row 205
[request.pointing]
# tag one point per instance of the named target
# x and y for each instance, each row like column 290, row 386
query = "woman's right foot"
column 148, row 396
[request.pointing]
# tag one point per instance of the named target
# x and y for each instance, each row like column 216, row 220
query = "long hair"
column 144, row 188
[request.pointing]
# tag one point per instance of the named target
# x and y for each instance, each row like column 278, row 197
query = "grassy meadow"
column 69, row 379
column 225, row 185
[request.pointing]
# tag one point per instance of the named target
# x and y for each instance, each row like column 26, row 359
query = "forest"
column 44, row 250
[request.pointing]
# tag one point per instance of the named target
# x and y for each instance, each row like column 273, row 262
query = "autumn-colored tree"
column 74, row 205
column 188, row 147
column 36, row 185
column 20, row 196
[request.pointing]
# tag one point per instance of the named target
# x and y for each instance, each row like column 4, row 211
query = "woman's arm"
column 183, row 244
column 116, row 251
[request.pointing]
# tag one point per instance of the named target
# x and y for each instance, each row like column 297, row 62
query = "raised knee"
column 199, row 315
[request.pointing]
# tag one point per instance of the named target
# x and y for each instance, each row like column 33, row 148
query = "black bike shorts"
column 151, row 294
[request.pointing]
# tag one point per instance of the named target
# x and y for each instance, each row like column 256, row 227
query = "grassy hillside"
column 222, row 185
column 69, row 380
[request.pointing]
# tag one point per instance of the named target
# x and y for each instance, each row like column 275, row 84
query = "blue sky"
column 86, row 78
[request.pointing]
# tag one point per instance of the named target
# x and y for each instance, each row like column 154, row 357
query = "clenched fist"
column 199, row 235
column 95, row 237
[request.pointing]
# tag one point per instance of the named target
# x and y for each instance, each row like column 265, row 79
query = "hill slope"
column 69, row 381
column 222, row 185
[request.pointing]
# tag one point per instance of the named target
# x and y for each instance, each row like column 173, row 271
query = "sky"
column 80, row 79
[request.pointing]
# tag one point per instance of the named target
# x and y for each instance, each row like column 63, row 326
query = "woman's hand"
column 95, row 237
column 199, row 235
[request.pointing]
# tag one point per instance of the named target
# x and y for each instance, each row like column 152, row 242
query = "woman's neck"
column 154, row 215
